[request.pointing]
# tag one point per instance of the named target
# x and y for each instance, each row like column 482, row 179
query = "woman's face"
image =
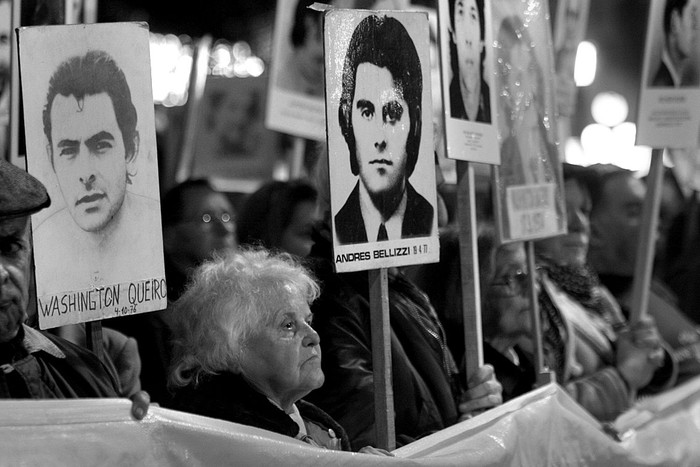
column 508, row 291
column 571, row 248
column 282, row 359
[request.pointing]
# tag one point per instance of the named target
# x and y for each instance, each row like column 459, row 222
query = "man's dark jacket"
column 423, row 370
column 39, row 365
column 417, row 220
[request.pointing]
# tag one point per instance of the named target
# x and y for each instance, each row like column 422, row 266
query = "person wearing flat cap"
column 36, row 364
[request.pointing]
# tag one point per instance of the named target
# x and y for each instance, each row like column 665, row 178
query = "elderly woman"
column 608, row 360
column 505, row 312
column 245, row 348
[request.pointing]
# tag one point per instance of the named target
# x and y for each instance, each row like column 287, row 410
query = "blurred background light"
column 609, row 108
column 586, row 63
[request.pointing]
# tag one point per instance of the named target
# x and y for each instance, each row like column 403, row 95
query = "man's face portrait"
column 467, row 38
column 310, row 53
column 684, row 26
column 381, row 125
column 89, row 158
column 233, row 122
column 567, row 48
column 519, row 68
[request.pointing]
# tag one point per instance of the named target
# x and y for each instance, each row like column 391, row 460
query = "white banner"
column 544, row 427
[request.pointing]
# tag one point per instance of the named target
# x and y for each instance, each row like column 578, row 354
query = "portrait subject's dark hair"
column 479, row 7
column 383, row 42
column 672, row 5
column 87, row 75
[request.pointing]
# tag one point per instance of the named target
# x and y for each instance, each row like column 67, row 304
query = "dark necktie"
column 382, row 236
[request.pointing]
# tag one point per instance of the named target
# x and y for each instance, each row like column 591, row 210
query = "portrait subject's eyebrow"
column 67, row 143
column 365, row 104
column 97, row 137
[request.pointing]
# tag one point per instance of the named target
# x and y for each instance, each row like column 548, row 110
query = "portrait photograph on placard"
column 381, row 157
column 90, row 132
column 669, row 106
column 570, row 21
column 296, row 103
column 529, row 202
column 467, row 72
column 232, row 146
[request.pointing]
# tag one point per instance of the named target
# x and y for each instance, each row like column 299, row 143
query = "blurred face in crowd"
column 296, row 238
column 467, row 38
column 282, row 359
column 571, row 248
column 89, row 158
column 15, row 257
column 207, row 226
column 507, row 294
column 615, row 225
column 381, row 125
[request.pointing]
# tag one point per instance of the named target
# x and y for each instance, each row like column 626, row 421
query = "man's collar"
column 373, row 218
column 34, row 341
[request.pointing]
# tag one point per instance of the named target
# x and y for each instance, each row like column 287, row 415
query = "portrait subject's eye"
column 392, row 112
column 68, row 151
column 366, row 109
column 103, row 146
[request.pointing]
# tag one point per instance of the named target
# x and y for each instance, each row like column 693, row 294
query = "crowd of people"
column 253, row 300
column 260, row 329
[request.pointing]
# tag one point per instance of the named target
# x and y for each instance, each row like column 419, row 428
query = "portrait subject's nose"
column 85, row 168
column 380, row 145
column 88, row 181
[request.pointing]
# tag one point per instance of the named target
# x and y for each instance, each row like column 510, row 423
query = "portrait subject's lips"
column 381, row 161
column 90, row 198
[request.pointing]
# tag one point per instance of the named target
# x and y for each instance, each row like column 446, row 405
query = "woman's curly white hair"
column 226, row 301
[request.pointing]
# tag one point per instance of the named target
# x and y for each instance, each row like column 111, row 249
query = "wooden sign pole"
column 93, row 337
column 644, row 264
column 469, row 268
column 13, row 135
column 198, row 78
column 381, row 359
column 296, row 165
column 542, row 374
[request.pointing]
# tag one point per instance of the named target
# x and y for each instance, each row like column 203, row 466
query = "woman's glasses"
column 208, row 219
column 513, row 284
